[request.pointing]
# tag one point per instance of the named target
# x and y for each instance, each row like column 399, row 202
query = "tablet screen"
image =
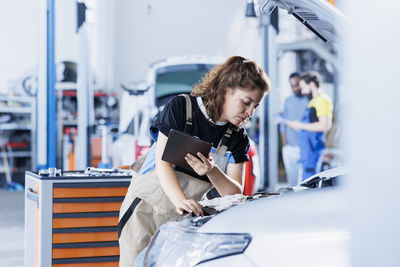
column 179, row 144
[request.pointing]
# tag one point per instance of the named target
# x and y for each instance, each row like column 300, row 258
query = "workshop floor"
column 11, row 228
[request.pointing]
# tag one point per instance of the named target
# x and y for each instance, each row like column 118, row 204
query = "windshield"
column 175, row 80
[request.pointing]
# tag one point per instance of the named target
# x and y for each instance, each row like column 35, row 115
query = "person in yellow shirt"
column 316, row 121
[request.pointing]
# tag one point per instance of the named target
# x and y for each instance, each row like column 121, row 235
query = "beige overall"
column 146, row 206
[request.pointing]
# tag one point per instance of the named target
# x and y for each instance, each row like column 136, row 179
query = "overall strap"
column 188, row 124
column 224, row 142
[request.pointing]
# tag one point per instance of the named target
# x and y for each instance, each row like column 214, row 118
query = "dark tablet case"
column 179, row 144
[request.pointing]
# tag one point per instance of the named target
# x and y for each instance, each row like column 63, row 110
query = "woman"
column 316, row 121
column 219, row 105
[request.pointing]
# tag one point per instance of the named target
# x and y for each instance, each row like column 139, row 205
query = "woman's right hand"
column 189, row 205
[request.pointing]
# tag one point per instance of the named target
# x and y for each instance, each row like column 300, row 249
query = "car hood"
column 320, row 16
column 277, row 213
column 310, row 225
column 311, row 222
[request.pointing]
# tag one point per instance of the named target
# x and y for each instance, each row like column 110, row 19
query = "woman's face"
column 240, row 104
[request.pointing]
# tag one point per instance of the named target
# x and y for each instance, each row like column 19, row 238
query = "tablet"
column 179, row 144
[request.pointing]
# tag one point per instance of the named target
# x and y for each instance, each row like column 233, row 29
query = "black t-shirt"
column 173, row 116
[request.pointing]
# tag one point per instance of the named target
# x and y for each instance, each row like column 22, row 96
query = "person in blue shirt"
column 294, row 108
column 316, row 121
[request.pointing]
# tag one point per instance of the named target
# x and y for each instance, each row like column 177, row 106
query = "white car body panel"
column 300, row 229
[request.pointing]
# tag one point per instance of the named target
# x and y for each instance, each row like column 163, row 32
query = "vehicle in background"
column 261, row 229
column 177, row 75
column 141, row 102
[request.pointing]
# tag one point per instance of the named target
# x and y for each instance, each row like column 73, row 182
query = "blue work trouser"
column 311, row 144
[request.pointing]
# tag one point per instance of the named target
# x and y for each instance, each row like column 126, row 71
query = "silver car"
column 266, row 229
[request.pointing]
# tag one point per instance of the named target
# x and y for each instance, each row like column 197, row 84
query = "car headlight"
column 177, row 246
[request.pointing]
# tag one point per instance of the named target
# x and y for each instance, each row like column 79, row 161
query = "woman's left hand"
column 201, row 166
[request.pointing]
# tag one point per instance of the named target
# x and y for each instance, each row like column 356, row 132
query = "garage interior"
column 81, row 82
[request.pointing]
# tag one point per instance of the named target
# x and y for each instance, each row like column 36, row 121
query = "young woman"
column 219, row 105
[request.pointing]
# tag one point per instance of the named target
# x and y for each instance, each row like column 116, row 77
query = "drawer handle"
column 32, row 195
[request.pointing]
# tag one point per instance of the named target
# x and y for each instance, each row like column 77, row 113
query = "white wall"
column 19, row 31
column 66, row 38
column 100, row 33
column 18, row 35
column 146, row 31
column 103, row 44
column 128, row 35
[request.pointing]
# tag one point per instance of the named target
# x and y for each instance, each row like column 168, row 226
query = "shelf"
column 19, row 154
column 19, row 99
column 14, row 126
column 75, row 123
column 66, row 86
column 16, row 110
column 69, row 89
column 6, row 109
column 72, row 92
column 70, row 123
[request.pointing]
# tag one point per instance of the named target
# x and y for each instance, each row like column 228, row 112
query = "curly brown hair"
column 235, row 72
